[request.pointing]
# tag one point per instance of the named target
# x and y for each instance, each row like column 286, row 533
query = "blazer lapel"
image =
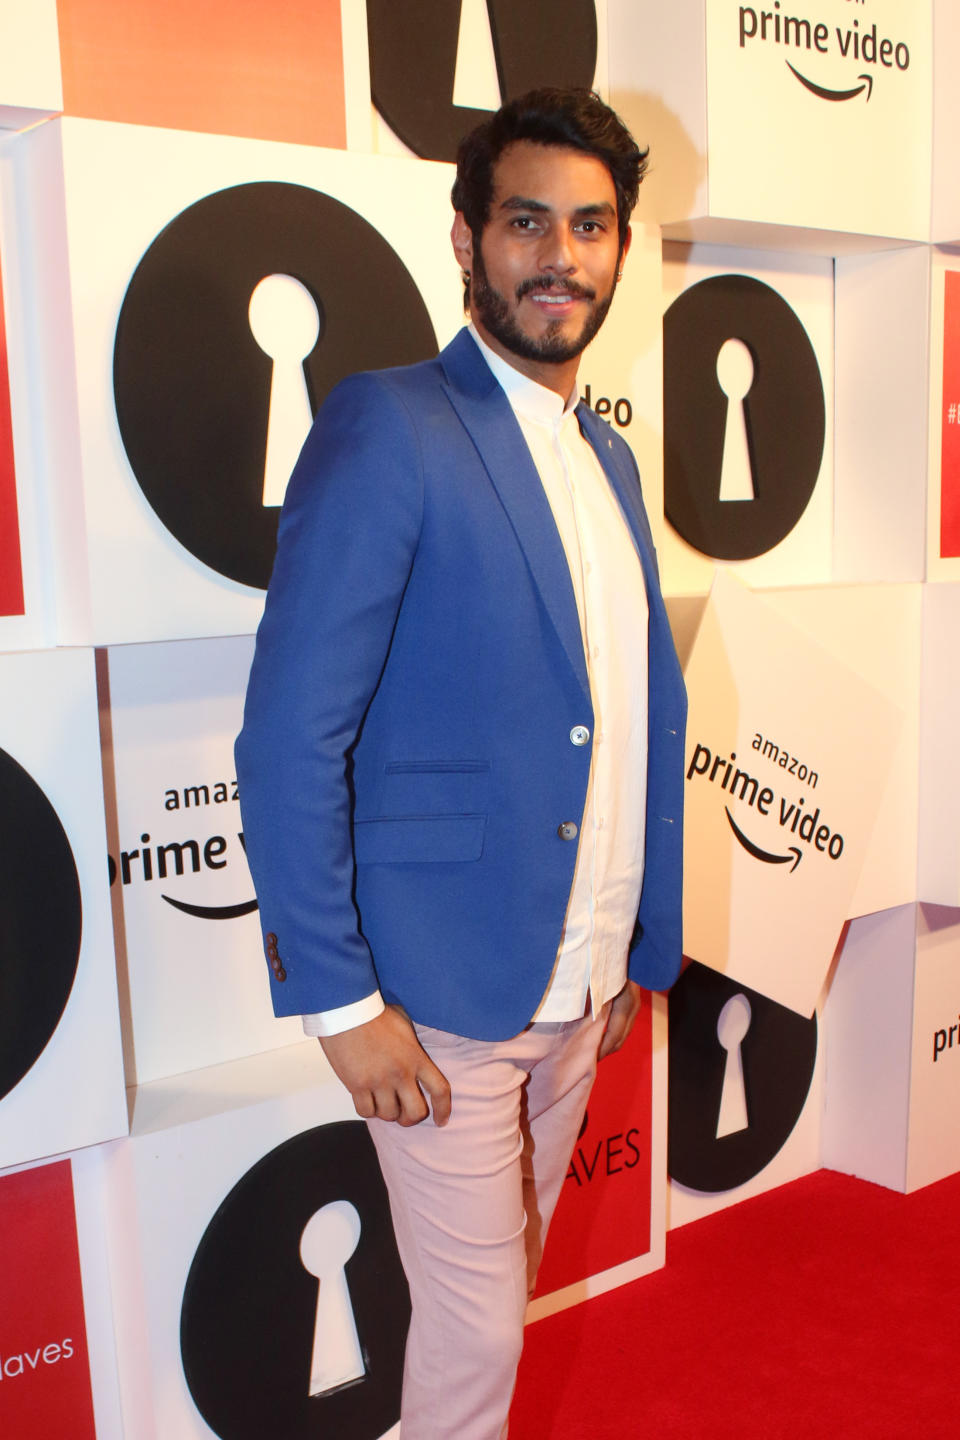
column 489, row 420
column 625, row 487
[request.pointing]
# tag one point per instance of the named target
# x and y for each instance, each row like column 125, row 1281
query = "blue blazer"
column 405, row 763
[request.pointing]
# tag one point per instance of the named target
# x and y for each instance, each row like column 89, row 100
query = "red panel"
column 11, row 575
column 45, row 1384
column 950, row 420
column 603, row 1216
column 225, row 67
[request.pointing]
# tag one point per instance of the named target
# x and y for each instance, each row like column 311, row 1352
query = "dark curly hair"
column 575, row 118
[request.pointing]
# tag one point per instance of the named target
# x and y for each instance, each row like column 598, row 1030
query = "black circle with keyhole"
column 249, row 1305
column 191, row 384
column 779, row 1051
column 783, row 409
column 413, row 61
column 42, row 920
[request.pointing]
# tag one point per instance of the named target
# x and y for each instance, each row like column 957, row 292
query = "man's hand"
column 386, row 1070
column 624, row 1009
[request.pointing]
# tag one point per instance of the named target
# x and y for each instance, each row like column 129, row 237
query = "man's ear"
column 624, row 248
column 462, row 238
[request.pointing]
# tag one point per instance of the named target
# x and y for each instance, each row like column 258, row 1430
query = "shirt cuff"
column 344, row 1017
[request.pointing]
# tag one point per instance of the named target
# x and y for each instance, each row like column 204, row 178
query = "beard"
column 553, row 347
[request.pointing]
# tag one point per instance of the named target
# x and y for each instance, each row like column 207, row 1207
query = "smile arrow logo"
column 212, row 912
column 834, row 94
column 764, row 855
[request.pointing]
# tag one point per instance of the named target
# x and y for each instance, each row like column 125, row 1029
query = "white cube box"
column 761, row 116
column 867, row 1029
column 747, row 417
column 892, row 1106
column 239, row 1188
column 933, row 1137
column 61, row 1075
column 781, row 802
column 166, row 441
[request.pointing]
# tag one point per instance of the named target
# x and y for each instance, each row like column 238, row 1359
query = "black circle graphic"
column 42, row 918
column 191, row 384
column 249, row 1306
column 413, row 60
column 779, row 1051
column 784, row 412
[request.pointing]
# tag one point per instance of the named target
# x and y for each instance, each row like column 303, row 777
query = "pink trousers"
column 471, row 1203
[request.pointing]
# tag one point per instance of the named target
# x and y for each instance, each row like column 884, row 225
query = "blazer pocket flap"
column 418, row 838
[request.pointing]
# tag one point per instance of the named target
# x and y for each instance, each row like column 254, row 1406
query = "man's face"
column 544, row 272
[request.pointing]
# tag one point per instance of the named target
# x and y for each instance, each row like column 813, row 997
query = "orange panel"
column 266, row 68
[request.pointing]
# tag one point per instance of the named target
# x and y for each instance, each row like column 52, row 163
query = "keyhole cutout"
column 733, row 1022
column 476, row 84
column 285, row 322
column 329, row 1239
column 735, row 374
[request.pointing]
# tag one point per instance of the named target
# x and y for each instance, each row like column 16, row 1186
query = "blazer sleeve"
column 347, row 540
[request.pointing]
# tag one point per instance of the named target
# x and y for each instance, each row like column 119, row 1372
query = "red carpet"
column 827, row 1308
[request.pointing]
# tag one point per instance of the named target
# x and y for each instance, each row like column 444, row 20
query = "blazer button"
column 579, row 735
column 281, row 974
column 567, row 831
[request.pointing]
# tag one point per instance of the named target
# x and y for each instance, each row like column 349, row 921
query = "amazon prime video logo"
column 809, row 46
column 781, row 818
column 169, row 864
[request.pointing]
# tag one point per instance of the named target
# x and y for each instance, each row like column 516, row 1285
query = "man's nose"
column 557, row 253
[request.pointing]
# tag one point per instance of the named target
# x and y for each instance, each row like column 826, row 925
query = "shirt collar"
column 526, row 396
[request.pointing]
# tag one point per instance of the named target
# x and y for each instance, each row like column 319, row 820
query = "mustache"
column 550, row 282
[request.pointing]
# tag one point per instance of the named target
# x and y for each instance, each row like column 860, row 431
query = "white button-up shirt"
column 591, row 964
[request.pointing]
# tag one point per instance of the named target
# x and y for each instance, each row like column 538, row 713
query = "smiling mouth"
column 547, row 292
column 553, row 299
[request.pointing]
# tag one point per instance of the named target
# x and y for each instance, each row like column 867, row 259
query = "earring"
column 619, row 276
column 465, row 274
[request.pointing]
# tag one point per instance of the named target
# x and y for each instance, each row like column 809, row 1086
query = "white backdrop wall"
column 780, row 177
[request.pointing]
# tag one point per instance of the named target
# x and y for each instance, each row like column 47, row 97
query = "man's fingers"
column 364, row 1104
column 410, row 1108
column 624, row 1009
column 386, row 1070
column 613, row 1038
column 437, row 1087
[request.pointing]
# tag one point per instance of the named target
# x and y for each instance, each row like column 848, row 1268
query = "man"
column 462, row 755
